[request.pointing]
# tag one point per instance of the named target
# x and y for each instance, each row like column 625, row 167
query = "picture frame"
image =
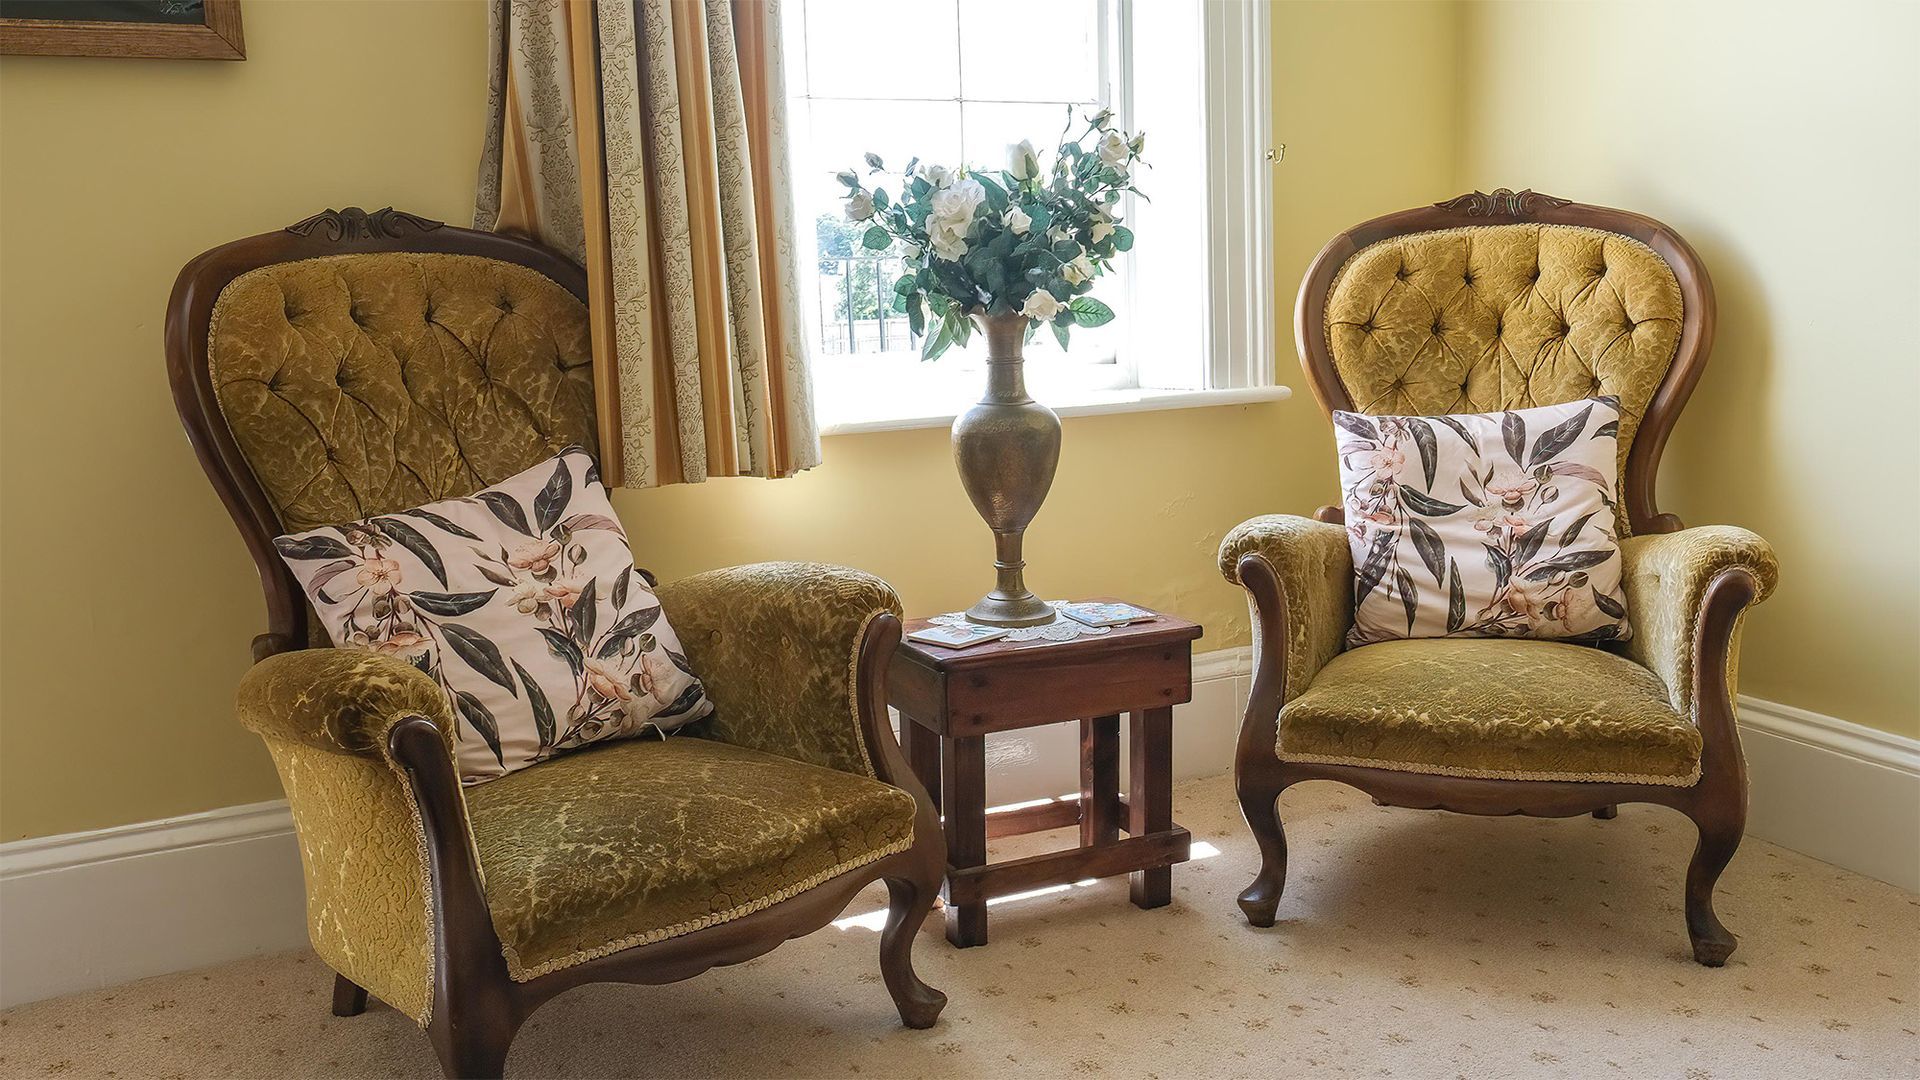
column 161, row 29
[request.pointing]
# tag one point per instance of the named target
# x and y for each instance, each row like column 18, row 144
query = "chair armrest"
column 1313, row 568
column 778, row 647
column 344, row 701
column 1667, row 578
column 363, row 744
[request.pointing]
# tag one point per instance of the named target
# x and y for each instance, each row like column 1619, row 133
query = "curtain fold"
column 647, row 139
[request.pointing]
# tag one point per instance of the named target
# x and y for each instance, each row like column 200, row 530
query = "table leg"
column 1150, row 797
column 922, row 748
column 1099, row 780
column 963, row 776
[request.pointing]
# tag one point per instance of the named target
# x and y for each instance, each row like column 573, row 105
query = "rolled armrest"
column 1314, row 568
column 1667, row 576
column 777, row 646
column 344, row 701
column 326, row 716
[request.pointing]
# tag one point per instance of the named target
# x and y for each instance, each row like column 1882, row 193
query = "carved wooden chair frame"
column 477, row 1007
column 1717, row 802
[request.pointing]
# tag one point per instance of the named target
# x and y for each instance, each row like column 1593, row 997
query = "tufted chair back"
column 1508, row 301
column 357, row 364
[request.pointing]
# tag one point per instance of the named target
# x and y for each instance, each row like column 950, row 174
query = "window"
column 952, row 81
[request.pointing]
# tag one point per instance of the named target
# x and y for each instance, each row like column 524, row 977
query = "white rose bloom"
column 1077, row 271
column 939, row 175
column 951, row 216
column 1018, row 220
column 1102, row 230
column 1022, row 161
column 1113, row 148
column 859, row 206
column 1041, row 305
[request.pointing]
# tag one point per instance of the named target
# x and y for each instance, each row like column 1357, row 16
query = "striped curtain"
column 647, row 139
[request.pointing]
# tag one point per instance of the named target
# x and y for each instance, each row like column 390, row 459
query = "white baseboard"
column 93, row 909
column 1843, row 793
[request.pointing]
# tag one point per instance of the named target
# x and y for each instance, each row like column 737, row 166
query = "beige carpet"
column 1410, row 944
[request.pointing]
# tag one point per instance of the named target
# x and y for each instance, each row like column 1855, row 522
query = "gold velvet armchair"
column 1483, row 303
column 358, row 363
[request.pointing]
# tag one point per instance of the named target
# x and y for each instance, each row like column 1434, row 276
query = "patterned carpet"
column 1410, row 944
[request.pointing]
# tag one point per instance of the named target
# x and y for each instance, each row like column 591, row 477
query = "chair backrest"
column 357, row 364
column 1507, row 301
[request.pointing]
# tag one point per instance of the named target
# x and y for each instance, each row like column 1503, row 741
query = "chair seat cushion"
column 636, row 841
column 1502, row 709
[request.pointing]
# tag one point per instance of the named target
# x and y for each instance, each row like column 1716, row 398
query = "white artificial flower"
column 951, row 216
column 1077, row 271
column 1114, row 149
column 1041, row 305
column 859, row 206
column 1022, row 162
column 1018, row 220
column 1101, row 230
column 939, row 175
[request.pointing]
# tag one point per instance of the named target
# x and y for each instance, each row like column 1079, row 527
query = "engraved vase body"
column 1006, row 449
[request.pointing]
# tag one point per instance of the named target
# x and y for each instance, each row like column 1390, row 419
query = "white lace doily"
column 1060, row 629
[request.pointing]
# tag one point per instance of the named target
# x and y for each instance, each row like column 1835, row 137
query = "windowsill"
column 1087, row 403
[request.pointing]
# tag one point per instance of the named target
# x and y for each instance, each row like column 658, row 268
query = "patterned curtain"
column 647, row 139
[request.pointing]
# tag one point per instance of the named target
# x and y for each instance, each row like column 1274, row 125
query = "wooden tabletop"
column 1163, row 628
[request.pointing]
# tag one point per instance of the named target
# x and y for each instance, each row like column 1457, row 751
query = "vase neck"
column 1006, row 369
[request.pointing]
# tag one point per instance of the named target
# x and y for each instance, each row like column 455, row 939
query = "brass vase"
column 1006, row 448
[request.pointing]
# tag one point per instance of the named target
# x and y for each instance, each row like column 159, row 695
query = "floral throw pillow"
column 522, row 602
column 1494, row 525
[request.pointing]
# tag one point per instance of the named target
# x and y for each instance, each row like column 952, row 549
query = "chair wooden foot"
column 1606, row 813
column 1712, row 942
column 348, row 998
column 469, row 1050
column 1260, row 805
column 908, row 904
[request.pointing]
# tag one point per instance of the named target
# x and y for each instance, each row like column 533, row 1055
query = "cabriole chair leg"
column 470, row 1050
column 348, row 998
column 1260, row 805
column 909, row 901
column 1712, row 942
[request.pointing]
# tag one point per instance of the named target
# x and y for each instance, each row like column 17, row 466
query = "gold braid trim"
column 1497, row 774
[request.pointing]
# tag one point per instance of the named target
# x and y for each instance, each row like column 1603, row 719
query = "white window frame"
column 1240, row 322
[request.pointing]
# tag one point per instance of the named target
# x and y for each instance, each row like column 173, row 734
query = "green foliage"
column 1089, row 312
column 979, row 242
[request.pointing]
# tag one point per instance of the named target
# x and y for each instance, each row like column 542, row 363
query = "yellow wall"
column 126, row 601
column 1783, row 141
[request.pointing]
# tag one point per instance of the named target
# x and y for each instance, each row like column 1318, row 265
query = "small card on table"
column 1113, row 614
column 957, row 637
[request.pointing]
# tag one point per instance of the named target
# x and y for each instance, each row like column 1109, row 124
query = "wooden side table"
column 951, row 699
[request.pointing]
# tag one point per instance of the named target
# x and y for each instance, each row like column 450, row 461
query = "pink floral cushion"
column 1494, row 525
column 524, row 605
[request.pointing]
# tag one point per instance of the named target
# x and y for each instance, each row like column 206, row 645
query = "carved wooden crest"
column 1504, row 202
column 354, row 223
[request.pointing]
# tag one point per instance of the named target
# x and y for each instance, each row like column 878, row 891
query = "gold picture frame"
column 176, row 29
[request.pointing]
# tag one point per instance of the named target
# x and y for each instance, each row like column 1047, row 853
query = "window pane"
column 1030, row 50
column 855, row 47
column 843, row 131
column 793, row 48
column 1171, row 249
column 991, row 126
